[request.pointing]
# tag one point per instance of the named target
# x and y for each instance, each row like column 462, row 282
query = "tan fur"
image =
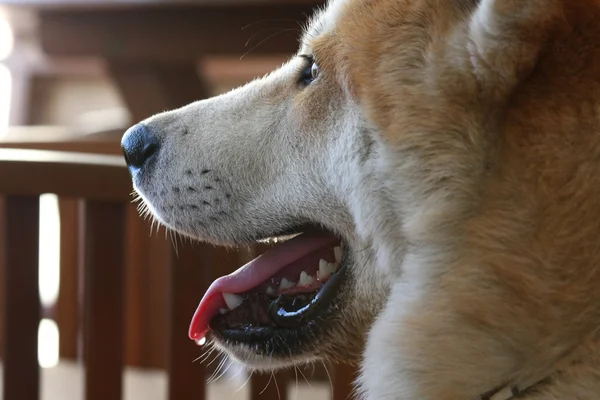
column 512, row 134
column 455, row 145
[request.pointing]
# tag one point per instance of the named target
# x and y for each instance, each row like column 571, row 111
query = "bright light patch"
column 6, row 39
column 49, row 253
column 48, row 344
column 5, row 94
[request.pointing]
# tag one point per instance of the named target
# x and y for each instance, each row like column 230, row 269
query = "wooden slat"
column 194, row 268
column 148, row 261
column 67, row 307
column 343, row 377
column 121, row 4
column 3, row 243
column 103, row 323
column 182, row 33
column 61, row 139
column 21, row 299
column 104, row 147
column 32, row 172
column 138, row 347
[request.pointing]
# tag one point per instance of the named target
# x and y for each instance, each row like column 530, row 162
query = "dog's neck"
column 508, row 392
column 513, row 392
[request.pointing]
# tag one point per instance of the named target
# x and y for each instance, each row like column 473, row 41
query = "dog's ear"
column 506, row 38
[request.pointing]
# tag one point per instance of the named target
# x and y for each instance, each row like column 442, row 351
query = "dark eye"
column 310, row 72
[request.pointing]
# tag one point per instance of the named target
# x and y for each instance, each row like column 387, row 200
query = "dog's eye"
column 310, row 72
column 314, row 71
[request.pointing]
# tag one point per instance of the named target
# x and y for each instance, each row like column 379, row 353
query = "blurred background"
column 87, row 292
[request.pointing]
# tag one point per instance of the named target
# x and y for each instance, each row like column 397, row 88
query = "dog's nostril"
column 138, row 145
column 149, row 149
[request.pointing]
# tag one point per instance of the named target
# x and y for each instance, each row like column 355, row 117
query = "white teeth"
column 325, row 270
column 305, row 279
column 223, row 311
column 285, row 284
column 201, row 342
column 233, row 301
column 338, row 254
column 322, row 265
column 270, row 291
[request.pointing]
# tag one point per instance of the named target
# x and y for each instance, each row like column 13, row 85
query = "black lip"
column 294, row 319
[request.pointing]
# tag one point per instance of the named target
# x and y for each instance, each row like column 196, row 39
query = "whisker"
column 214, row 359
column 264, row 30
column 239, row 372
column 297, row 384
column 270, row 378
column 205, row 355
column 245, row 383
column 328, row 376
column 217, row 370
column 268, row 20
column 222, row 373
column 304, row 376
column 276, row 385
column 174, row 243
column 264, row 40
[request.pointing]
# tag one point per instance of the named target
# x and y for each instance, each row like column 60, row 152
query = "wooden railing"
column 103, row 187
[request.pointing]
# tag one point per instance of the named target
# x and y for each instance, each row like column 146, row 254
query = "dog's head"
column 289, row 153
column 388, row 143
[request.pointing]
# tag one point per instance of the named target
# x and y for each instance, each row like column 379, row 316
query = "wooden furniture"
column 102, row 184
column 152, row 49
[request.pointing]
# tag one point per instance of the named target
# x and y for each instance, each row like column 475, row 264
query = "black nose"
column 138, row 145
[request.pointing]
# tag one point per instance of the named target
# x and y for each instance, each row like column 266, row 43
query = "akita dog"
column 434, row 167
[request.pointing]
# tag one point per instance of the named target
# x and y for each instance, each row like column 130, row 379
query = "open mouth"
column 288, row 288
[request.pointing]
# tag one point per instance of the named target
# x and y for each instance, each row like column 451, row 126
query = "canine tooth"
column 201, row 342
column 334, row 267
column 285, row 284
column 223, row 311
column 325, row 269
column 305, row 279
column 322, row 275
column 338, row 253
column 270, row 291
column 322, row 264
column 233, row 301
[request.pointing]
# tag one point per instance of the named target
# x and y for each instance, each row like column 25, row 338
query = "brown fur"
column 519, row 145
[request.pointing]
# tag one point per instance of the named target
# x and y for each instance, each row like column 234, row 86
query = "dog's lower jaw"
column 342, row 341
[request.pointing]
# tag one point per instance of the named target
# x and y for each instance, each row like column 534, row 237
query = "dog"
column 431, row 169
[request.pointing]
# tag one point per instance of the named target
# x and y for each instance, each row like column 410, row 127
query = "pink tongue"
column 253, row 274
